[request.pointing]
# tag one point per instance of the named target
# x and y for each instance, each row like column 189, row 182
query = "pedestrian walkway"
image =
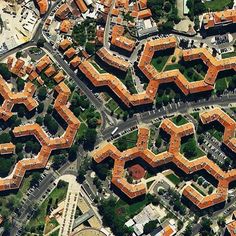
column 70, row 205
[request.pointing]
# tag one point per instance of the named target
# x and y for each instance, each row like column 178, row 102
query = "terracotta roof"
column 231, row 228
column 172, row 155
column 43, row 6
column 64, row 44
column 50, row 71
column 111, row 60
column 81, row 5
column 214, row 19
column 69, row 53
column 59, row 76
column 144, row 14
column 62, row 11
column 75, row 61
column 48, row 144
column 120, row 41
column 43, row 63
column 65, row 26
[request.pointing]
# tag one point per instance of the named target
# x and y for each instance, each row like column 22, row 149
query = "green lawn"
column 174, row 179
column 195, row 115
column 217, row 5
column 229, row 54
column 119, row 111
column 128, row 211
column 190, row 144
column 159, row 62
column 58, row 194
column 98, row 68
column 131, row 138
column 179, row 120
column 150, row 183
column 172, row 67
column 112, row 105
column 198, row 189
column 82, row 129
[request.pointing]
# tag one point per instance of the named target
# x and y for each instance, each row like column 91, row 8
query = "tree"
column 21, row 111
column 41, row 42
column 90, row 137
column 179, row 224
column 36, row 147
column 40, row 107
column 221, row 222
column 58, row 161
column 206, row 229
column 90, row 48
column 188, row 230
column 73, row 152
column 210, row 190
column 28, row 146
column 19, row 147
column 5, row 138
column 4, row 72
column 92, row 123
column 35, row 179
column 150, row 226
column 42, row 93
column 20, row 83
column 18, row 54
column 39, row 120
column 122, row 143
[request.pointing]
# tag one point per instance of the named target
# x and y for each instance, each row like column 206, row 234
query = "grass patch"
column 217, row 5
column 112, row 105
column 190, row 149
column 130, row 139
column 179, row 120
column 174, row 179
column 159, row 62
column 50, row 225
column 98, row 68
column 128, row 211
column 228, row 55
column 195, row 115
column 81, row 131
column 198, row 189
column 151, row 138
column 172, row 67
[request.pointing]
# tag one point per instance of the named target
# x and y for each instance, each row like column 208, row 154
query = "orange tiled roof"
column 65, row 26
column 48, row 144
column 173, row 155
column 50, row 71
column 111, row 60
column 214, row 19
column 144, row 14
column 81, row 5
column 43, row 6
column 10, row 98
column 156, row 78
column 69, row 53
column 120, row 41
column 59, row 76
column 75, row 61
column 231, row 227
column 62, row 11
column 64, row 44
column 43, row 63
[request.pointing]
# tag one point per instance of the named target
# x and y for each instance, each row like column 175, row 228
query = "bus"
column 114, row 131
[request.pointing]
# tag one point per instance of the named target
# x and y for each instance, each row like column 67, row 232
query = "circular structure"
column 89, row 232
column 137, row 171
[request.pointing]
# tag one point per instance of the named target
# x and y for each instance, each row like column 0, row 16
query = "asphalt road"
column 180, row 107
